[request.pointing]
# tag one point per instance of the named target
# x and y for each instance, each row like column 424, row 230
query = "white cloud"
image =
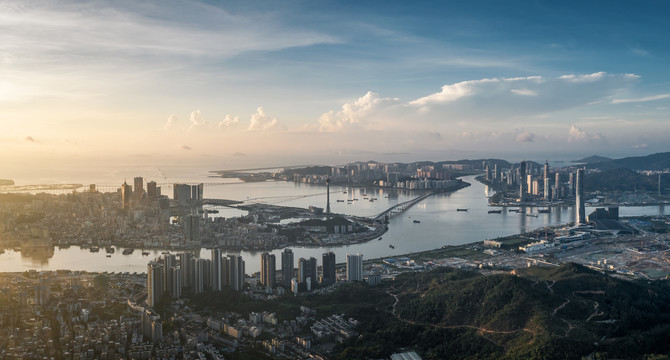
column 261, row 122
column 362, row 111
column 576, row 134
column 229, row 121
column 642, row 99
column 639, row 146
column 525, row 136
column 171, row 121
column 524, row 92
column 196, row 121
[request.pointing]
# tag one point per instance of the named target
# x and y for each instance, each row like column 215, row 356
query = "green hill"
column 565, row 312
column 592, row 159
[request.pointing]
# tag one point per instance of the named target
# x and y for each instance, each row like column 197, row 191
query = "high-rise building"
column 235, row 273
column 547, row 189
column 186, row 272
column 546, row 169
column 126, row 191
column 152, row 191
column 268, row 269
column 571, row 184
column 579, row 198
column 328, row 263
column 522, row 182
column 198, row 283
column 557, row 186
column 287, row 265
column 154, row 283
column 306, row 269
column 192, row 228
column 355, row 267
column 495, row 172
column 139, row 188
column 217, row 271
column 181, row 193
column 174, row 282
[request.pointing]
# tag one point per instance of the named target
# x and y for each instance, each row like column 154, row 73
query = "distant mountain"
column 619, row 180
column 592, row 159
column 481, row 163
column 658, row 161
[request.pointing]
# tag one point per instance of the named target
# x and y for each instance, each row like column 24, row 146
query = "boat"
column 379, row 238
column 514, row 210
column 128, row 251
column 340, row 200
column 94, row 249
column 531, row 215
column 461, row 209
column 391, row 246
column 495, row 211
column 145, row 253
column 544, row 211
column 110, row 249
column 417, row 221
column 109, row 255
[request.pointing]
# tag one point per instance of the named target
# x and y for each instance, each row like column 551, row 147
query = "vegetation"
column 658, row 161
column 619, row 180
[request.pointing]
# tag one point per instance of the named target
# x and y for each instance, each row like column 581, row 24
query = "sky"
column 237, row 84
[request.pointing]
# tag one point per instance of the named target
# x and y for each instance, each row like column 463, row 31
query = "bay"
column 439, row 224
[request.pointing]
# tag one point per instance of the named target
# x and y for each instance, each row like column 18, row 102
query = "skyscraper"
column 547, row 189
column 192, row 228
column 355, row 267
column 154, row 283
column 268, row 269
column 557, row 186
column 152, row 190
column 579, row 198
column 139, row 188
column 287, row 265
column 185, row 264
column 328, row 263
column 306, row 269
column 126, row 191
column 235, row 272
column 217, row 284
column 522, row 181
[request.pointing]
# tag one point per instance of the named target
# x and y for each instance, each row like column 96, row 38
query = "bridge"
column 399, row 208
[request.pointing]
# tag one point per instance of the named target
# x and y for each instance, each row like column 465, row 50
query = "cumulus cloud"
column 196, row 121
column 229, row 121
column 262, row 122
column 360, row 112
column 185, row 147
column 30, row 139
column 524, row 92
column 639, row 146
column 577, row 134
column 525, row 136
column 171, row 121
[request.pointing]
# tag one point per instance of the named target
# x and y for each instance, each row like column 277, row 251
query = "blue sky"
column 261, row 82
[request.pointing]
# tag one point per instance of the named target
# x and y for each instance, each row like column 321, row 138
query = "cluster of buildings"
column 403, row 176
column 174, row 274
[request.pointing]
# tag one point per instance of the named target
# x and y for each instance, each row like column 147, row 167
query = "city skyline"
column 264, row 83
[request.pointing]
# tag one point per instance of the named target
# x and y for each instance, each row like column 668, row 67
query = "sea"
column 429, row 224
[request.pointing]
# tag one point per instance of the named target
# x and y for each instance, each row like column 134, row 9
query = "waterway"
column 439, row 224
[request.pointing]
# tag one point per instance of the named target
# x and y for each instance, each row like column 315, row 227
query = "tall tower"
column 557, row 186
column 546, row 169
column 328, row 195
column 660, row 188
column 268, row 268
column 306, row 269
column 355, row 267
column 287, row 262
column 522, row 181
column 154, row 283
column 579, row 198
